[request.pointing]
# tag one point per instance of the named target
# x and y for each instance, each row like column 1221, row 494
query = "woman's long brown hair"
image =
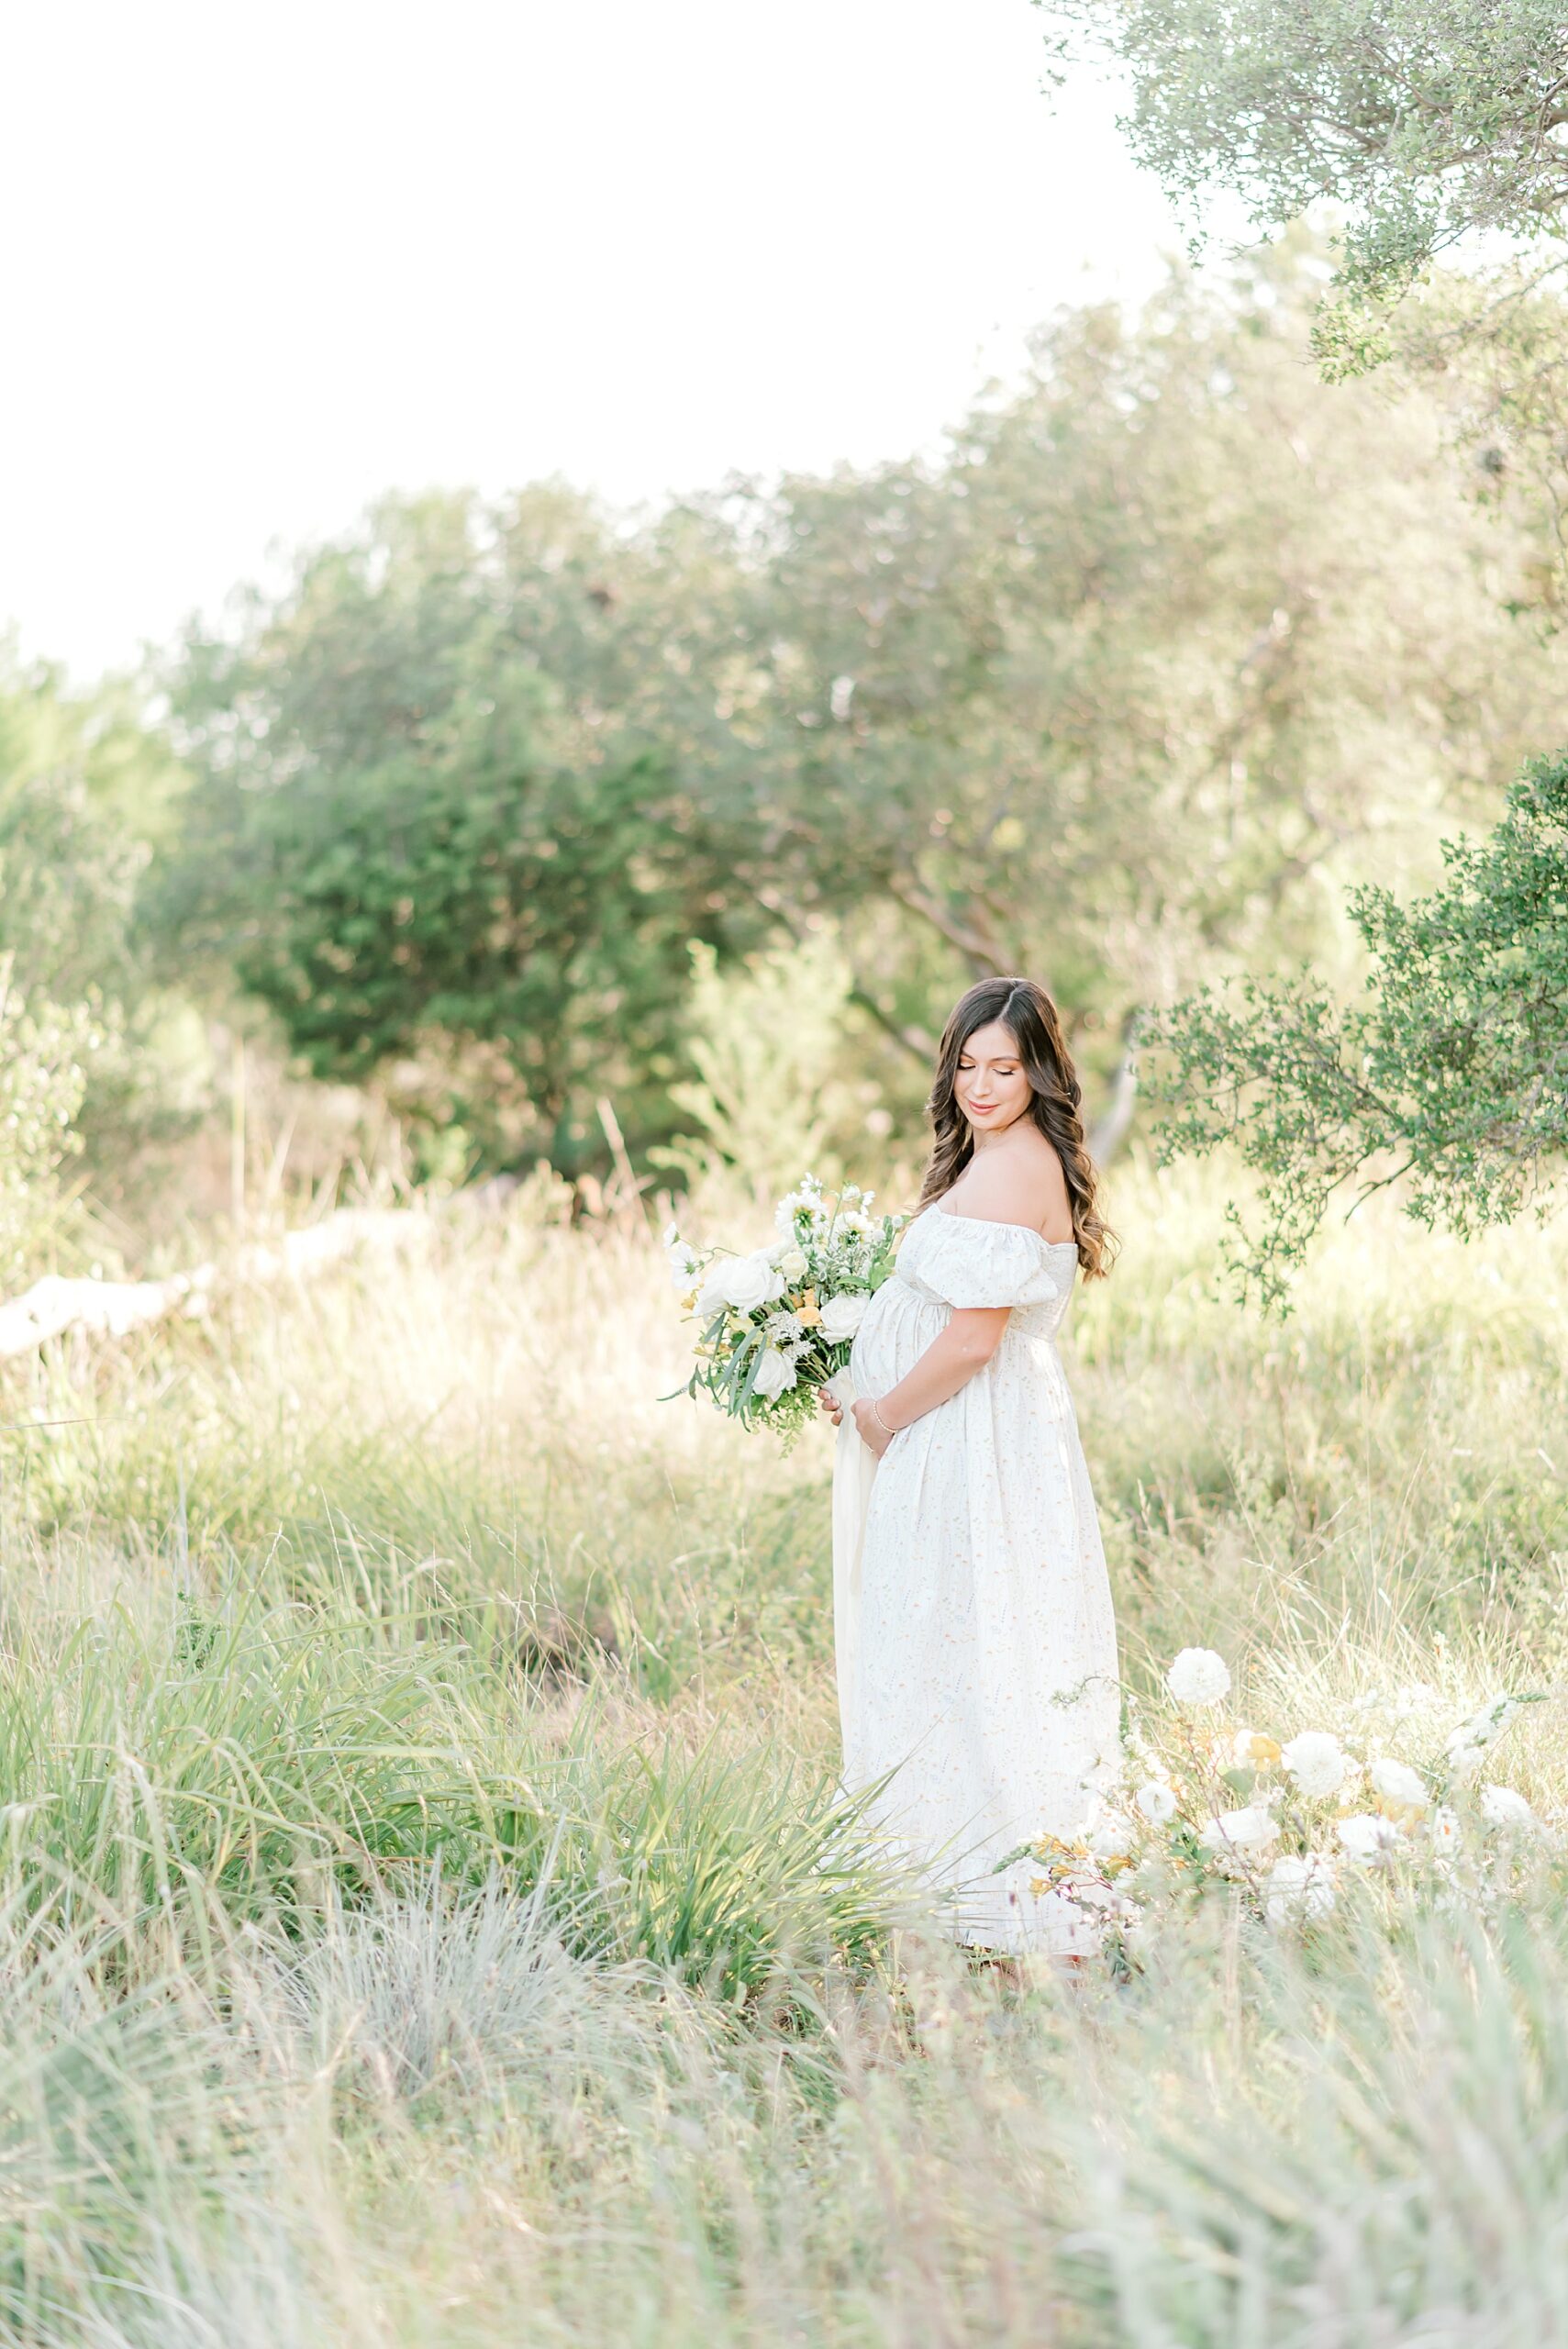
column 1030, row 1015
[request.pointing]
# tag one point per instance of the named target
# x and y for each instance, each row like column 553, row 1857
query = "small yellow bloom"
column 689, row 1303
column 808, row 1312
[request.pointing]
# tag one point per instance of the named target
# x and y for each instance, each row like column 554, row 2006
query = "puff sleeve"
column 968, row 1262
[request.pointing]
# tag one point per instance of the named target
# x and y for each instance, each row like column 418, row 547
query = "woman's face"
column 991, row 1087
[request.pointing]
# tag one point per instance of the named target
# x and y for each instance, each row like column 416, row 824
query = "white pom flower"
column 1317, row 1764
column 1396, row 1783
column 842, row 1315
column 1501, row 1806
column 1198, row 1676
column 776, row 1374
column 1240, row 1831
column 1367, row 1837
column 1156, row 1801
column 1299, row 1890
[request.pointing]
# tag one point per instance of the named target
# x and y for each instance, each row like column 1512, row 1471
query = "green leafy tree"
column 390, row 849
column 1426, row 123
column 1451, row 1075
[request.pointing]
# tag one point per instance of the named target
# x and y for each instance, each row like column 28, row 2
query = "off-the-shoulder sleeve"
column 969, row 1262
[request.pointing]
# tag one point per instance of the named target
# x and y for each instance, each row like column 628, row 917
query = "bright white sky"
column 261, row 262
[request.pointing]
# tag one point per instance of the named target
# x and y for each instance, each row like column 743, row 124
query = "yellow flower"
column 1252, row 1748
column 689, row 1303
column 808, row 1312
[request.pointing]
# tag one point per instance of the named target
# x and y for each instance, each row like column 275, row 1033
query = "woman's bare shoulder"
column 1020, row 1183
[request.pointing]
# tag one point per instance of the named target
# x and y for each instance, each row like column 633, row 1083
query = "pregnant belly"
column 897, row 1326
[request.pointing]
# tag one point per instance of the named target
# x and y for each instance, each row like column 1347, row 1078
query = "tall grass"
column 429, row 1915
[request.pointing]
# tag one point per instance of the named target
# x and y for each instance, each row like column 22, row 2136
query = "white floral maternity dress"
column 976, row 1644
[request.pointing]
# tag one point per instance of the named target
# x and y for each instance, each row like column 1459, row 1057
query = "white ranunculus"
column 1156, row 1801
column 1298, row 1890
column 1501, row 1806
column 776, row 1374
column 1396, row 1783
column 1198, row 1676
column 791, row 1263
column 1367, row 1837
column 1240, row 1831
column 1317, row 1764
column 842, row 1315
column 748, row 1282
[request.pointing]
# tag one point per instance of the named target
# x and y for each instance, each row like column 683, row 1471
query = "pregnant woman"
column 976, row 1646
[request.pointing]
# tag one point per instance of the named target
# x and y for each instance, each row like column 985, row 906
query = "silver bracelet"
column 882, row 1423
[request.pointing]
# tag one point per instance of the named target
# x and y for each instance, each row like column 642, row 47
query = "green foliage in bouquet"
column 776, row 1325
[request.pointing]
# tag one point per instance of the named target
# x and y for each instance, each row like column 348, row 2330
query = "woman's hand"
column 829, row 1403
column 869, row 1428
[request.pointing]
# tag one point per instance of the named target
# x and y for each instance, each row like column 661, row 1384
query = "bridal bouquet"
column 775, row 1326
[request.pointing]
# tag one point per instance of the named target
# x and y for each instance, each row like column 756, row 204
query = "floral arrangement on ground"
column 1197, row 1801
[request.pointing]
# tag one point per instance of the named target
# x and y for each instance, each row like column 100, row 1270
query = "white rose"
column 1298, row 1890
column 1366, row 1837
column 842, row 1315
column 1198, row 1676
column 1396, row 1783
column 791, row 1263
column 776, row 1374
column 713, row 1296
column 747, row 1282
column 1501, row 1806
column 1240, row 1831
column 1156, row 1801
column 1316, row 1763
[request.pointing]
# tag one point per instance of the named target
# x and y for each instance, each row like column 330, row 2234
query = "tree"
column 1427, row 122
column 389, row 850
column 1451, row 1075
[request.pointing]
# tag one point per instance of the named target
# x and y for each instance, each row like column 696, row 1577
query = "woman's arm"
column 950, row 1362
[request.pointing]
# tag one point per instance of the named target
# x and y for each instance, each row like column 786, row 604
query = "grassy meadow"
column 430, row 1916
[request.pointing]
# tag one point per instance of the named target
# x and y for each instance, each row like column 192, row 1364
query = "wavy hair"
column 1027, row 1012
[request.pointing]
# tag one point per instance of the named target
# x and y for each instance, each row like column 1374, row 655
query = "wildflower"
column 1250, row 1750
column 1156, row 1801
column 1367, row 1837
column 1198, row 1676
column 1317, row 1764
column 1299, row 1890
column 1444, row 1831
